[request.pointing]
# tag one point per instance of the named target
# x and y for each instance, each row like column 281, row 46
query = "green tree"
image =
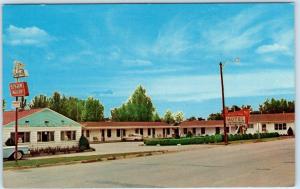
column 3, row 105
column 277, row 106
column 156, row 117
column 93, row 110
column 215, row 116
column 40, row 101
column 179, row 117
column 168, row 117
column 139, row 107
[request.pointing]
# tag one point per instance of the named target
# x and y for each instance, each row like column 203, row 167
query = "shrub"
column 189, row 134
column 83, row 143
column 290, row 131
column 218, row 138
column 206, row 139
column 212, row 139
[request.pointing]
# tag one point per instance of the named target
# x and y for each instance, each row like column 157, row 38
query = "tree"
column 3, row 105
column 179, row 117
column 277, row 106
column 40, row 101
column 93, row 110
column 200, row 118
column 139, row 107
column 193, row 118
column 156, row 117
column 215, row 116
column 168, row 117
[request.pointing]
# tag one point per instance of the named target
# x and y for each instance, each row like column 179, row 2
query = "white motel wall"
column 41, row 128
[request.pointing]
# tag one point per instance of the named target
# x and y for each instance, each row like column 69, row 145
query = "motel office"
column 114, row 131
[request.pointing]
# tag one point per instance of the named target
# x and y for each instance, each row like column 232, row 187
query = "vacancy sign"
column 18, row 89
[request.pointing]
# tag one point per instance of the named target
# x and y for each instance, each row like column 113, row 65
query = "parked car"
column 133, row 137
column 9, row 152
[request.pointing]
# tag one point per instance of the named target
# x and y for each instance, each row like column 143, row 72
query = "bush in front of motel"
column 83, row 143
column 206, row 139
column 184, row 141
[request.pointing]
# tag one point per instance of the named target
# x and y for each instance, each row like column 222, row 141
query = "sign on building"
column 240, row 117
column 235, row 120
column 18, row 89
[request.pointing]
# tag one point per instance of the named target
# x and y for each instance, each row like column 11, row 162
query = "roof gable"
column 43, row 118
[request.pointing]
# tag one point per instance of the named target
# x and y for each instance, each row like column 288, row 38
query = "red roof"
column 281, row 117
column 118, row 124
column 255, row 118
column 202, row 123
column 10, row 116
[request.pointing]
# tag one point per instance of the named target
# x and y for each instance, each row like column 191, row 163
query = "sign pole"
column 223, row 104
column 16, row 134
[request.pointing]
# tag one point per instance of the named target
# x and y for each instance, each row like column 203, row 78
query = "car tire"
column 18, row 155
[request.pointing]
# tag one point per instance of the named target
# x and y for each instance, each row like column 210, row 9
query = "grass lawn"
column 70, row 160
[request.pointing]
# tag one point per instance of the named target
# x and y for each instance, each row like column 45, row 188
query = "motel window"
column 87, row 132
column 149, row 132
column 185, row 131
column 45, row 136
column 124, row 132
column 23, row 137
column 280, row 126
column 153, row 132
column 202, row 131
column 251, row 126
column 264, row 127
column 168, row 131
column 194, row 131
column 108, row 132
column 276, row 126
column 136, row 131
column 284, row 126
column 67, row 135
column 141, row 131
column 217, row 130
column 118, row 132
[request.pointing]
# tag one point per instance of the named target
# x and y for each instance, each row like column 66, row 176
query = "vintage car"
column 133, row 137
column 9, row 152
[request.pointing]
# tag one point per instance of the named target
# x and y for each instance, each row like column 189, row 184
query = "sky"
column 173, row 50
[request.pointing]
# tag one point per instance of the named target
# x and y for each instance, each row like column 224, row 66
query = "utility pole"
column 223, row 104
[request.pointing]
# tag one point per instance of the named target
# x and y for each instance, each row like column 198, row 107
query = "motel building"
column 114, row 131
column 40, row 128
column 105, row 131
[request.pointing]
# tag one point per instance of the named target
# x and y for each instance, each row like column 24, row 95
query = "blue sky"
column 173, row 50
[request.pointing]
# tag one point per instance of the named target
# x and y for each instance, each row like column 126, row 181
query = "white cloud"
column 199, row 88
column 137, row 62
column 272, row 48
column 26, row 36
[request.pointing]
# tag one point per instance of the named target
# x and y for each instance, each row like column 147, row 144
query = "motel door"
column 102, row 135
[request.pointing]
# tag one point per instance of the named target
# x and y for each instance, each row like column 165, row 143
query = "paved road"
column 255, row 164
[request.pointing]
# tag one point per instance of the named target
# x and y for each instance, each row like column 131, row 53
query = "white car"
column 9, row 152
column 133, row 137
